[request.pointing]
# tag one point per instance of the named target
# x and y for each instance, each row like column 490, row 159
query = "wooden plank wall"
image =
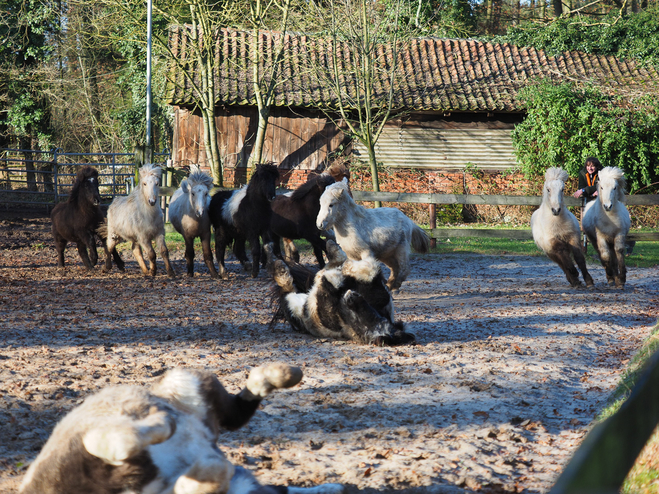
column 302, row 140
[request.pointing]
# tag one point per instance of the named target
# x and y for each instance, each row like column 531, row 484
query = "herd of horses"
column 347, row 297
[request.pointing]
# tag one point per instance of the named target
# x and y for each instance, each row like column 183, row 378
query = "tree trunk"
column 375, row 180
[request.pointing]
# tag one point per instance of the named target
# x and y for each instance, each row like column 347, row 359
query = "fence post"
column 432, row 211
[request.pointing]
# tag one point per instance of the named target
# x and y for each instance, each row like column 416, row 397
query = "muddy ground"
column 509, row 370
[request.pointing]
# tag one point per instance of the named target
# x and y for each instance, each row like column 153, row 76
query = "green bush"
column 567, row 123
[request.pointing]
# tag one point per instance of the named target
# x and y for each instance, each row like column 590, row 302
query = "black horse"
column 244, row 215
column 78, row 219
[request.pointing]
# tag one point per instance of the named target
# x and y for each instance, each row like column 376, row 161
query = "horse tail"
column 102, row 229
column 420, row 240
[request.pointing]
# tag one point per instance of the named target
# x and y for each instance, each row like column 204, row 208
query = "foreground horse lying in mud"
column 347, row 299
column 556, row 230
column 158, row 440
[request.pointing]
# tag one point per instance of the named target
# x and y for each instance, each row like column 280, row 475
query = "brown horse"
column 294, row 214
column 77, row 219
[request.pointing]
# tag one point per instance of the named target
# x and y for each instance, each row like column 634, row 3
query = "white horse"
column 556, row 230
column 137, row 218
column 188, row 212
column 383, row 233
column 606, row 221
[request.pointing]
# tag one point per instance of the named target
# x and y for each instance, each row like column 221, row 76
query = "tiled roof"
column 434, row 74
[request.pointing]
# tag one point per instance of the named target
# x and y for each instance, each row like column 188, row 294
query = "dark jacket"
column 584, row 180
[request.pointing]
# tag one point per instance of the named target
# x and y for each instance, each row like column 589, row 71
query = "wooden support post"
column 432, row 211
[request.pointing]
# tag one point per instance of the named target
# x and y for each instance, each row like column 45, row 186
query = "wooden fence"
column 490, row 200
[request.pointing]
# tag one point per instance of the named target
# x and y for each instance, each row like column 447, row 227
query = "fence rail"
column 490, row 200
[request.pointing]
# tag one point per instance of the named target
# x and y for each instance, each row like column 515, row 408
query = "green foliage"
column 566, row 124
column 634, row 35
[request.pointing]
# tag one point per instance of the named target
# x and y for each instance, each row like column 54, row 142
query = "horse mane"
column 556, row 173
column 83, row 174
column 197, row 177
column 321, row 181
column 614, row 173
column 150, row 169
column 337, row 171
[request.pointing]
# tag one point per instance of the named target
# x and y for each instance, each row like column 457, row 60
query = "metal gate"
column 44, row 178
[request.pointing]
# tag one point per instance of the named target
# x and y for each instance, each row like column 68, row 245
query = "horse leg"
column 255, row 244
column 619, row 247
column 291, row 251
column 400, row 269
column 189, row 255
column 318, row 245
column 110, row 248
column 577, row 253
column 82, row 250
column 220, row 247
column 559, row 254
column 208, row 254
column 164, row 253
column 241, row 254
column 609, row 262
column 91, row 247
column 60, row 245
column 137, row 253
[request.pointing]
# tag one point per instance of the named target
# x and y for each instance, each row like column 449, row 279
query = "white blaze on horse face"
column 199, row 199
column 554, row 192
column 607, row 193
column 149, row 186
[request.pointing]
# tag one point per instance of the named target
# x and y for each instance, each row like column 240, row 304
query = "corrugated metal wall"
column 443, row 148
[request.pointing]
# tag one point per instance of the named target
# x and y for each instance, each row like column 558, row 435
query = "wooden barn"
column 458, row 98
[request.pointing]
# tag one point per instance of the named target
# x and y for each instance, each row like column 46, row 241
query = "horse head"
column 553, row 189
column 264, row 182
column 330, row 204
column 197, row 186
column 150, row 182
column 85, row 187
column 611, row 187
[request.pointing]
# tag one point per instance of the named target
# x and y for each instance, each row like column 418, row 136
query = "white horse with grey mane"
column 384, row 234
column 137, row 218
column 158, row 440
column 606, row 221
column 188, row 212
column 556, row 230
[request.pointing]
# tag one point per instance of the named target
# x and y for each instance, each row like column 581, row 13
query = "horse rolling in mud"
column 346, row 299
column 77, row 219
column 244, row 214
column 294, row 214
column 556, row 230
column 384, row 234
column 606, row 222
column 159, row 440
column 188, row 213
column 137, row 218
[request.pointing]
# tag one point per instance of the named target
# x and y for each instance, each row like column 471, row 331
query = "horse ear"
column 345, row 181
column 184, row 186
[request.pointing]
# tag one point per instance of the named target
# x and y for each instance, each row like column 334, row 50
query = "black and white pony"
column 188, row 213
column 606, row 222
column 244, row 214
column 556, row 230
column 158, row 440
column 346, row 299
